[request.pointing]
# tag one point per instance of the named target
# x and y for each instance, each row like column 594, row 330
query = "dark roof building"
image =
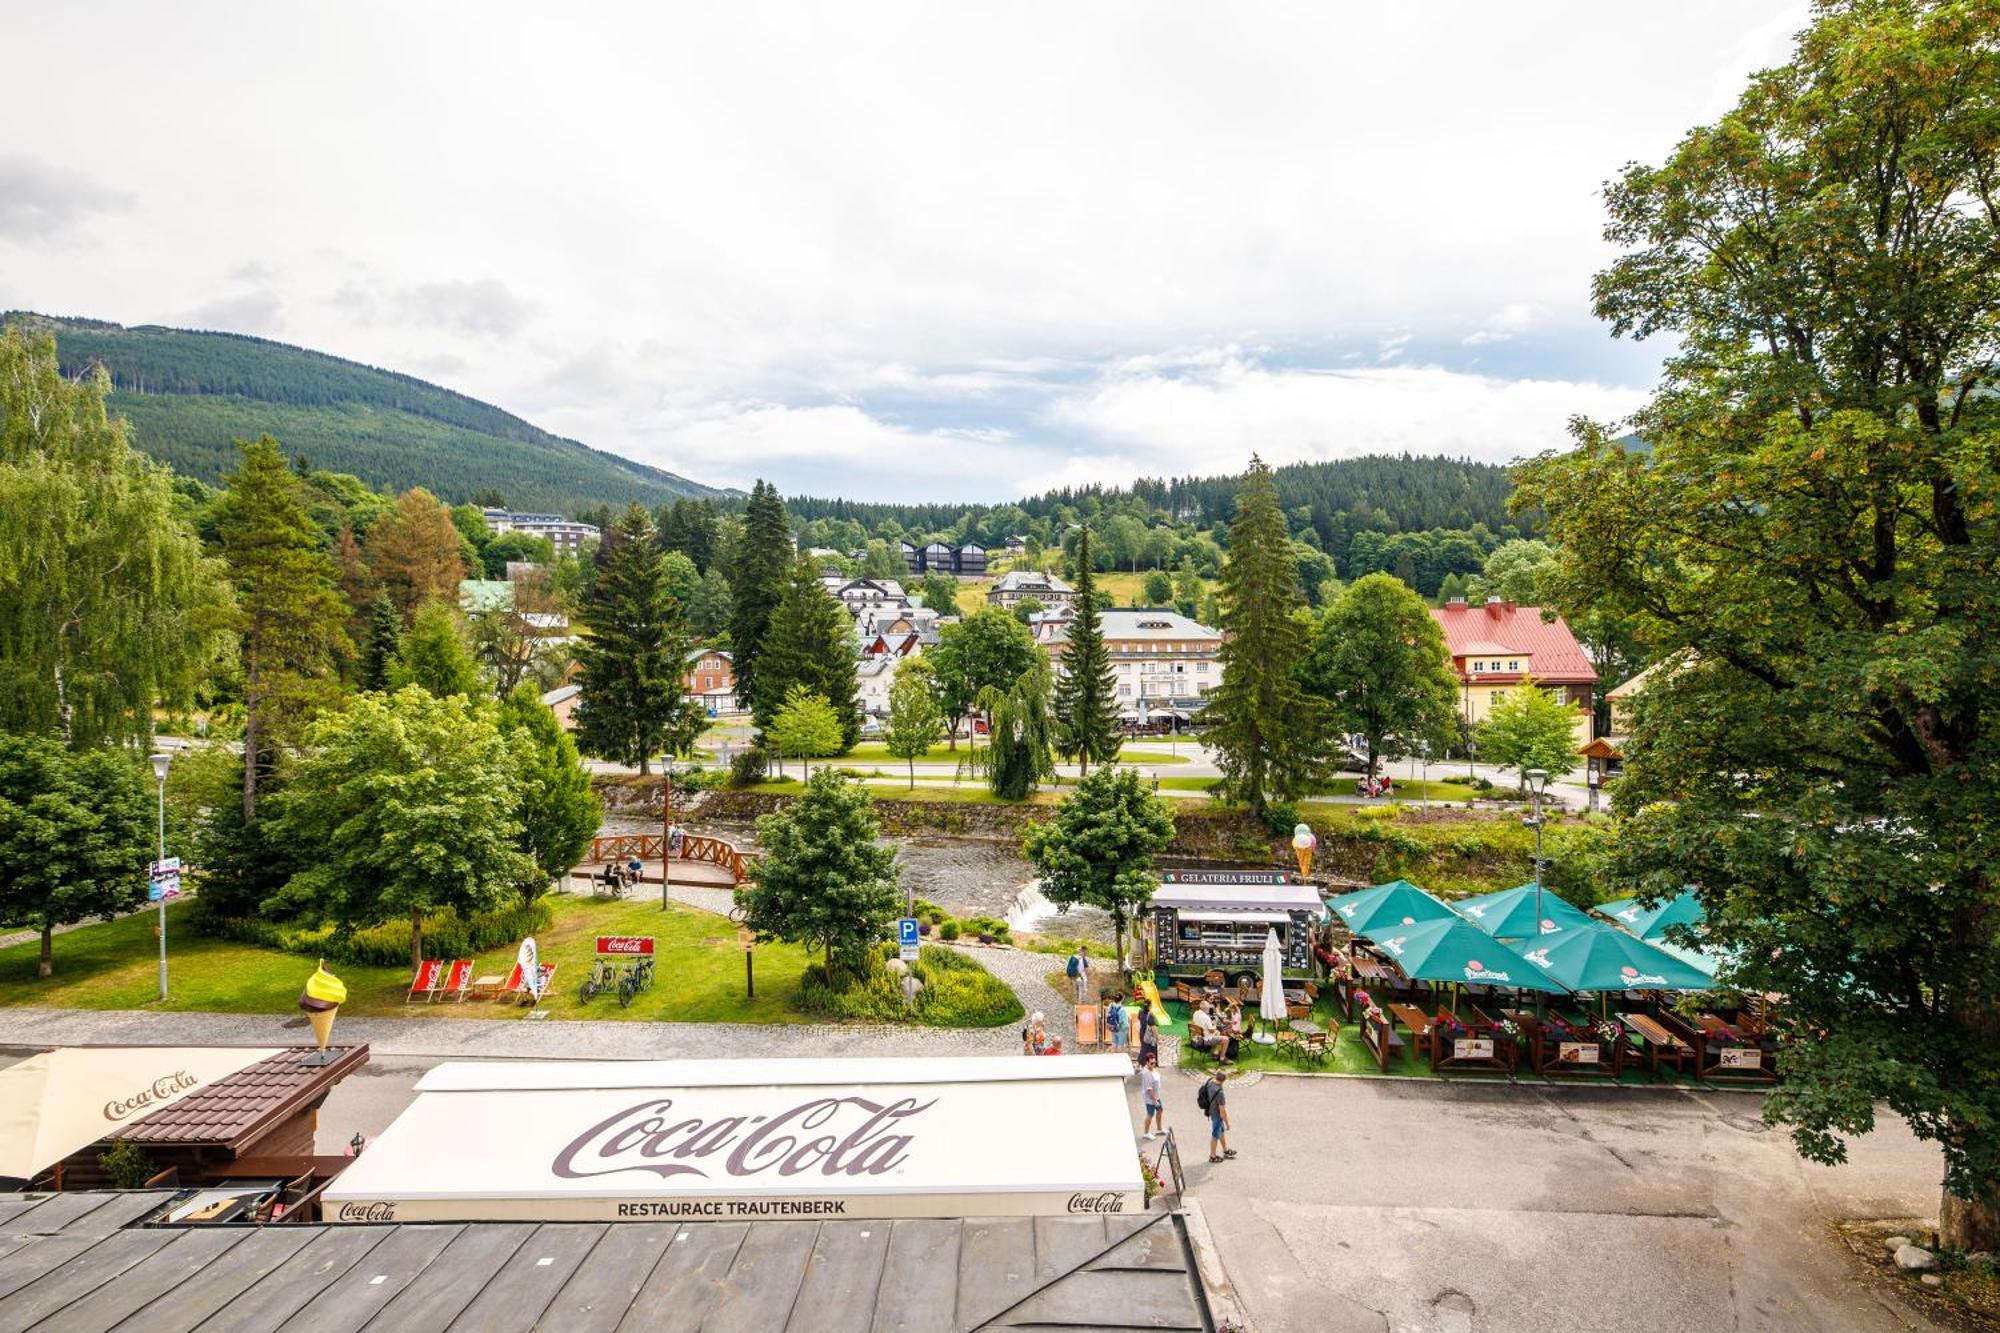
column 91, row 1261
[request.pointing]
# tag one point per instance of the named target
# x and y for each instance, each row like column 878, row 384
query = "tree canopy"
column 1086, row 692
column 1379, row 660
column 634, row 703
column 76, row 835
column 824, row 881
column 1810, row 538
column 1098, row 850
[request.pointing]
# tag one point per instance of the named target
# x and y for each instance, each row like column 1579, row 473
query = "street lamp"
column 160, row 763
column 1538, row 781
column 1471, row 751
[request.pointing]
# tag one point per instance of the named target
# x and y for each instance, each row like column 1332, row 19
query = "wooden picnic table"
column 1307, row 1028
column 1369, row 969
column 1411, row 1017
column 1715, row 1027
column 1658, row 1040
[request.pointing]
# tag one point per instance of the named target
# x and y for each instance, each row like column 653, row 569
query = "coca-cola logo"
column 367, row 1212
column 1110, row 1201
column 167, row 1085
column 646, row 1136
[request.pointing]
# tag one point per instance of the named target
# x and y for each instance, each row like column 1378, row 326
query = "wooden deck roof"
column 79, row 1262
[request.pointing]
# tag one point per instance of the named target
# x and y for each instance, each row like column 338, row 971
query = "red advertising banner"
column 628, row 945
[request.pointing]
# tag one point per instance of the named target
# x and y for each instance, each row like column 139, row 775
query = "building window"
column 1124, row 691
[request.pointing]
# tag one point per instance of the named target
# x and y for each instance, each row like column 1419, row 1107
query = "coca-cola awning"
column 752, row 1140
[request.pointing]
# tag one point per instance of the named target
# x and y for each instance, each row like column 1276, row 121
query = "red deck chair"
column 425, row 983
column 457, row 980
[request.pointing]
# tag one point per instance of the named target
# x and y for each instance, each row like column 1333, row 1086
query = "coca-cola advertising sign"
column 626, row 946
column 835, row 1143
column 161, row 1090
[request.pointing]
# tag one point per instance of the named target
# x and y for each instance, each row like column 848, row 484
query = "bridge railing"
column 652, row 847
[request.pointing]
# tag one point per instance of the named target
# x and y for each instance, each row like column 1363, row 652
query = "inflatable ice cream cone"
column 1303, row 844
column 321, row 999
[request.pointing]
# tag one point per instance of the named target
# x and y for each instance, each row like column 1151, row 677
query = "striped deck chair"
column 425, row 983
column 495, row 986
column 1088, row 1033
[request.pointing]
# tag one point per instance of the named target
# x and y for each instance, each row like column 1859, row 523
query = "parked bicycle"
column 603, row 978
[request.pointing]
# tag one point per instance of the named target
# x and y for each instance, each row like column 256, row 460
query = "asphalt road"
column 1395, row 1208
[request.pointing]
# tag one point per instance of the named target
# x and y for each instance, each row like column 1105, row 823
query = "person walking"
column 1150, row 1097
column 1079, row 972
column 1214, row 1102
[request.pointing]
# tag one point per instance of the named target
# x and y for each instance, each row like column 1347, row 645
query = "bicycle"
column 628, row 987
column 643, row 972
column 601, row 979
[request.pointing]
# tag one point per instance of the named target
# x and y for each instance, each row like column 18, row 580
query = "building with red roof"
column 1496, row 645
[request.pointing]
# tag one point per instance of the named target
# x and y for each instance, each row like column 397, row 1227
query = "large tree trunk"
column 416, row 940
column 643, row 770
column 1968, row 1225
column 250, row 731
column 47, row 966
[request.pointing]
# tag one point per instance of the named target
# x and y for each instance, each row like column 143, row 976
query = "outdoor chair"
column 1314, row 1045
column 1295, row 1009
column 1213, row 977
column 424, row 984
column 1287, row 1037
column 529, row 997
column 457, row 981
column 1185, row 994
column 1086, row 1026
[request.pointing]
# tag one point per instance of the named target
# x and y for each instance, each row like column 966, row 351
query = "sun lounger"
column 424, row 984
column 457, row 981
column 547, row 970
column 1086, row 1025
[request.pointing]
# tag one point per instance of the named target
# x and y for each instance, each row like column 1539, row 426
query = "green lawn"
column 699, row 965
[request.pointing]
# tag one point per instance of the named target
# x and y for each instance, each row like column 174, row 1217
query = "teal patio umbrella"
column 1596, row 957
column 1650, row 923
column 1510, row 913
column 1450, row 949
column 1397, row 903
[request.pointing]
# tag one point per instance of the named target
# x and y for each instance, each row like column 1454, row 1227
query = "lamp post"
column 666, row 831
column 1538, row 780
column 160, row 762
column 1424, row 791
column 1471, row 752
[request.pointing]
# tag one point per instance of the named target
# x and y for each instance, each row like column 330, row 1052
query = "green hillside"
column 189, row 394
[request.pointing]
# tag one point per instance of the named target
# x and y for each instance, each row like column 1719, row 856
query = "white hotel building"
column 1161, row 658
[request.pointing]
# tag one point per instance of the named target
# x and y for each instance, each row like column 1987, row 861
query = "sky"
column 886, row 251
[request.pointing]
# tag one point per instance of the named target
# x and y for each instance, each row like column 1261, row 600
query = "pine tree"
column 633, row 703
column 290, row 619
column 1267, row 732
column 764, row 558
column 384, row 642
column 810, row 643
column 415, row 552
column 825, row 880
column 1086, row 693
column 434, row 655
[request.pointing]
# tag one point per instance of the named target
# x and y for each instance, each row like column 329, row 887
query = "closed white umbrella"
column 1272, row 1003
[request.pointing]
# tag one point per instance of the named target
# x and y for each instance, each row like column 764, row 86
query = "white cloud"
column 1214, row 422
column 1510, row 319
column 42, row 202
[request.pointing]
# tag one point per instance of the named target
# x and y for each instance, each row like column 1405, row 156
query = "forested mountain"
column 188, row 394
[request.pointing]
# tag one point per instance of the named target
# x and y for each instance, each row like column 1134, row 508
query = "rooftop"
column 233, row 1109
column 1145, row 623
column 1555, row 656
column 1022, row 580
column 82, row 1264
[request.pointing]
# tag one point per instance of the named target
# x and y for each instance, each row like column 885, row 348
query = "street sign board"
column 908, row 938
column 164, row 879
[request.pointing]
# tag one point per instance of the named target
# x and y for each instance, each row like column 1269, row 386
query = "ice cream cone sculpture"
column 321, row 999
column 1303, row 843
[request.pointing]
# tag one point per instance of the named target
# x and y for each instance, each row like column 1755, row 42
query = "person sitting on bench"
column 1207, row 1034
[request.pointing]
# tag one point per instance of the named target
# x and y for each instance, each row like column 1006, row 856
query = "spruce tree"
column 634, row 703
column 290, row 619
column 1086, row 694
column 810, row 643
column 1267, row 732
column 763, row 561
column 385, row 640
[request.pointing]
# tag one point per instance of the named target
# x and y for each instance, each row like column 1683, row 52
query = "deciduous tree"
column 414, row 552
column 1811, row 534
column 558, row 812
column 805, row 727
column 410, row 803
column 76, row 834
column 1379, row 660
column 1528, row 727
column 434, row 656
column 107, row 605
column 1099, row 848
column 989, row 649
column 915, row 721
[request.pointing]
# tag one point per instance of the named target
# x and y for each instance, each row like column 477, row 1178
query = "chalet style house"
column 1496, row 645
column 968, row 560
column 1029, row 585
column 711, row 679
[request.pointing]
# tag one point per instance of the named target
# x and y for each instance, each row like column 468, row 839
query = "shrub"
column 1281, row 817
column 747, row 769
column 127, row 1165
column 446, row 935
column 957, row 992
column 949, row 930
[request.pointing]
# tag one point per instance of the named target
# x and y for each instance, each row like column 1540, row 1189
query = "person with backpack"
column 1149, row 1035
column 1214, row 1104
column 1152, row 1098
column 1114, row 1020
column 1079, row 972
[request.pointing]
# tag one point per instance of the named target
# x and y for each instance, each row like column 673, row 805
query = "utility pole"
column 160, row 763
column 1537, row 779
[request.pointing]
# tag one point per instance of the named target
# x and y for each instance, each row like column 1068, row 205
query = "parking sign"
column 907, row 938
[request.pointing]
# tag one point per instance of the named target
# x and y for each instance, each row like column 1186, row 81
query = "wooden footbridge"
column 698, row 860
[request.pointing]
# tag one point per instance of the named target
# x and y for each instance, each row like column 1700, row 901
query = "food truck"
column 1205, row 920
